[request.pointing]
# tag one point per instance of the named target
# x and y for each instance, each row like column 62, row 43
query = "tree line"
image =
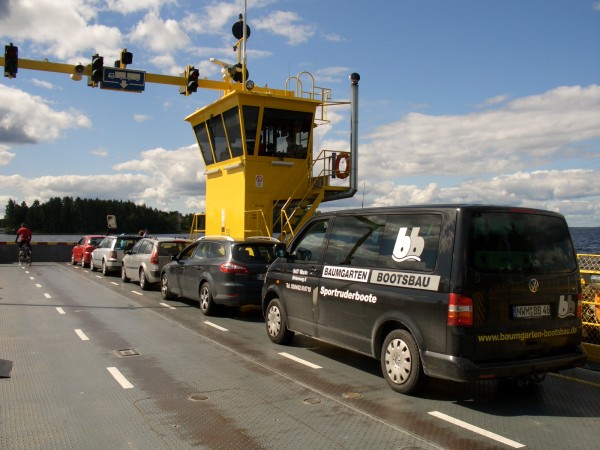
column 80, row 216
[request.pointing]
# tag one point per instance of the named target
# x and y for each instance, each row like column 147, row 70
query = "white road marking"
column 475, row 429
column 125, row 384
column 38, row 285
column 81, row 335
column 114, row 282
column 137, row 293
column 214, row 325
column 47, row 295
column 60, row 310
column 301, row 361
column 167, row 306
column 98, row 276
column 31, row 278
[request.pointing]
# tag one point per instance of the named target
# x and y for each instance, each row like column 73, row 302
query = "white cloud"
column 62, row 29
column 5, row 156
column 26, row 118
column 141, row 117
column 42, row 84
column 158, row 34
column 130, row 6
column 286, row 24
column 526, row 133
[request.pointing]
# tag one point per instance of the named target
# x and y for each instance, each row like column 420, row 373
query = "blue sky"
column 494, row 101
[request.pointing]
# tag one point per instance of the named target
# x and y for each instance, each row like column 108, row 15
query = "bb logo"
column 408, row 248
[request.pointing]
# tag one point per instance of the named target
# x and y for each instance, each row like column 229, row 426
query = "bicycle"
column 25, row 255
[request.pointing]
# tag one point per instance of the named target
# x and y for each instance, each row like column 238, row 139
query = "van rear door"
column 524, row 281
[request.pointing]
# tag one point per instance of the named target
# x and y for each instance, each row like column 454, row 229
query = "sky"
column 494, row 101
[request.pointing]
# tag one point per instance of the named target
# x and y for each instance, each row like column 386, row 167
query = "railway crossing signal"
column 11, row 60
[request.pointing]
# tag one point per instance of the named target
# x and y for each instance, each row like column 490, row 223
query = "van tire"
column 276, row 323
column 401, row 362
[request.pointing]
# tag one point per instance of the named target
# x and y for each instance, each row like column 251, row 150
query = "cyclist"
column 24, row 238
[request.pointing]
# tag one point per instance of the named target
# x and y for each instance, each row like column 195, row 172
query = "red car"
column 82, row 252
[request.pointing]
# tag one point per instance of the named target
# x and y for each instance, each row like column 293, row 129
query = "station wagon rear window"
column 521, row 243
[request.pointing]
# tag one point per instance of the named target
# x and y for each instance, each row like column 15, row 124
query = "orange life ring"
column 344, row 156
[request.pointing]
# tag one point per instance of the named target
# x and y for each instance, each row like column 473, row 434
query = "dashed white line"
column 167, row 306
column 301, row 361
column 98, row 276
column 47, row 295
column 214, row 325
column 477, row 430
column 125, row 384
column 81, row 335
column 137, row 293
column 38, row 285
column 60, row 310
column 31, row 278
column 114, row 282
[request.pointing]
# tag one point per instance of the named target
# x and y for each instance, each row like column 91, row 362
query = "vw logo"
column 534, row 285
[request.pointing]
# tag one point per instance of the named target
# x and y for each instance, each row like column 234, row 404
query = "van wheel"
column 207, row 304
column 401, row 362
column 277, row 324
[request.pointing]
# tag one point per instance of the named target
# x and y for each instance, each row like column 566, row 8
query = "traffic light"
column 126, row 58
column 191, row 80
column 11, row 61
column 97, row 68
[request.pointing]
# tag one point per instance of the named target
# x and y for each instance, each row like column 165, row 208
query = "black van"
column 461, row 292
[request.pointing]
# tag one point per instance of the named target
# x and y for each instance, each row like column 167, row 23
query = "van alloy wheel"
column 277, row 324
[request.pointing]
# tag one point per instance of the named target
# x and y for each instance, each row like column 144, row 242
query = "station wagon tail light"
column 154, row 256
column 230, row 267
column 460, row 311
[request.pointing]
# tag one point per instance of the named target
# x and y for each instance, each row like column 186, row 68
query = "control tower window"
column 250, row 126
column 232, row 125
column 218, row 138
column 285, row 133
column 202, row 137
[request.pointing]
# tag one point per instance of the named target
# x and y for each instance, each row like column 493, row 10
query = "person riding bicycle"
column 24, row 237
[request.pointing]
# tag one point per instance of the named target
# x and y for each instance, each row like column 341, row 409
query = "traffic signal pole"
column 86, row 70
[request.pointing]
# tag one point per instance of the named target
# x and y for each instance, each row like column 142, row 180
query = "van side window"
column 410, row 242
column 311, row 244
column 355, row 240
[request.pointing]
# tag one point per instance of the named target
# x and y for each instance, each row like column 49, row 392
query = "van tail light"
column 154, row 256
column 230, row 267
column 460, row 311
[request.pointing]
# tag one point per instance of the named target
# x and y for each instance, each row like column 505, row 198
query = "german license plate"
column 530, row 311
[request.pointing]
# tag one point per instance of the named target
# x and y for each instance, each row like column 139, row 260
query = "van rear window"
column 520, row 243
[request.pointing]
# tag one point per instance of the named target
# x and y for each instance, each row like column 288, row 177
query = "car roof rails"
column 263, row 238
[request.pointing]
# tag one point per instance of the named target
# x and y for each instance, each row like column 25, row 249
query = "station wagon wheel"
column 165, row 292
column 143, row 281
column 277, row 324
column 73, row 259
column 401, row 362
column 104, row 268
column 124, row 274
column 92, row 266
column 207, row 304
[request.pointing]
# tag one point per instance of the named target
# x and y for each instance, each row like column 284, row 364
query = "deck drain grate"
column 127, row 352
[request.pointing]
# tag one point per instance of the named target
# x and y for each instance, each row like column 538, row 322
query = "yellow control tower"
column 262, row 177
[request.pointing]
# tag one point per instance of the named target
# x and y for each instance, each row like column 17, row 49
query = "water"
column 585, row 239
